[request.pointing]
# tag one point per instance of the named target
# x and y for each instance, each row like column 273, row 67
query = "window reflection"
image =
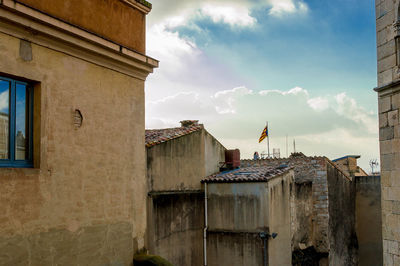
column 21, row 122
column 4, row 118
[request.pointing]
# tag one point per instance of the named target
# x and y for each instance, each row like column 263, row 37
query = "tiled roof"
column 345, row 157
column 158, row 136
column 246, row 174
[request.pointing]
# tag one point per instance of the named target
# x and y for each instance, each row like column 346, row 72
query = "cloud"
column 4, row 99
column 229, row 14
column 330, row 125
column 318, row 103
column 281, row 7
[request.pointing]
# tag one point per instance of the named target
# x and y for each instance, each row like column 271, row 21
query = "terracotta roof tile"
column 246, row 174
column 158, row 136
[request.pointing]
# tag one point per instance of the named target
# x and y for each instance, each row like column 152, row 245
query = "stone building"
column 348, row 164
column 249, row 216
column 72, row 167
column 322, row 210
column 388, row 89
column 177, row 160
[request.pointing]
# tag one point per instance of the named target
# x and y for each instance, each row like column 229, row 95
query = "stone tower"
column 388, row 89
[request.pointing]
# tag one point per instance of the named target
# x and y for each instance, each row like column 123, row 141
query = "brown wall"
column 85, row 202
column 369, row 220
column 111, row 19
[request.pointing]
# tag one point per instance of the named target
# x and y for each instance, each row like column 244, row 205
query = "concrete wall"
column 176, row 227
column 389, row 128
column 176, row 216
column 84, row 203
column 236, row 249
column 181, row 163
column 307, row 170
column 114, row 20
column 368, row 220
column 238, row 206
column 342, row 235
column 279, row 193
column 238, row 212
column 214, row 154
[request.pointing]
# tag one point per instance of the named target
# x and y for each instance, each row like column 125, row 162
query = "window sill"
column 18, row 171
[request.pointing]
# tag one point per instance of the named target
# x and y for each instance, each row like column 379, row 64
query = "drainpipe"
column 264, row 237
column 205, row 225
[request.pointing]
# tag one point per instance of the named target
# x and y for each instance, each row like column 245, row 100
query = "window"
column 16, row 102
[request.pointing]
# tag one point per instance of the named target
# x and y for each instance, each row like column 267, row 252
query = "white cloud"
column 318, row 103
column 234, row 15
column 281, row 7
column 294, row 91
column 324, row 125
column 4, row 99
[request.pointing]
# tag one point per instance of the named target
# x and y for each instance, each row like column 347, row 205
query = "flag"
column 264, row 134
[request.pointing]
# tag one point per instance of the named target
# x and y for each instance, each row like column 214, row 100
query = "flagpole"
column 268, row 139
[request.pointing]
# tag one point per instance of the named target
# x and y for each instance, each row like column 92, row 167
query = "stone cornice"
column 388, row 89
column 25, row 23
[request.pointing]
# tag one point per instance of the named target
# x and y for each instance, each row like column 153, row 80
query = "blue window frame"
column 16, row 121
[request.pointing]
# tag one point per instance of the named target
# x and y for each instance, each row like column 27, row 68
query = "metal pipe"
column 205, row 225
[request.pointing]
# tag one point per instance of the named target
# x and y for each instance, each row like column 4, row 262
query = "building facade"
column 323, row 228
column 72, row 156
column 388, row 89
column 249, row 216
column 177, row 160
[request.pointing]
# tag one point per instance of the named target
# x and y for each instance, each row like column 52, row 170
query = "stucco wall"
column 342, row 235
column 238, row 206
column 176, row 223
column 85, row 204
column 214, row 154
column 234, row 249
column 177, row 164
column 368, row 220
column 111, row 19
column 279, row 193
column 181, row 163
column 238, row 212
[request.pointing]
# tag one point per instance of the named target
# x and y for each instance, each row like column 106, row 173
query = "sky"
column 308, row 67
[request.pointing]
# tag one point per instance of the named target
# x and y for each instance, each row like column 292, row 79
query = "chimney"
column 189, row 123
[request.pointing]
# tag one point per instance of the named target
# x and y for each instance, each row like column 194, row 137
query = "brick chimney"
column 189, row 123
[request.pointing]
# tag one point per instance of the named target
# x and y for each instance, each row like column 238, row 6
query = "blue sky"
column 308, row 67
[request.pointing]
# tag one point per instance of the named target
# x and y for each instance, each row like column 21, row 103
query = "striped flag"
column 264, row 134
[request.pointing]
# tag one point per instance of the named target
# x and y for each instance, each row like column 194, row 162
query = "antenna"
column 294, row 145
column 286, row 146
column 373, row 163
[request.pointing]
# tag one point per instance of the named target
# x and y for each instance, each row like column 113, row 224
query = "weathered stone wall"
column 389, row 129
column 341, row 232
column 85, row 202
column 368, row 220
column 176, row 223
